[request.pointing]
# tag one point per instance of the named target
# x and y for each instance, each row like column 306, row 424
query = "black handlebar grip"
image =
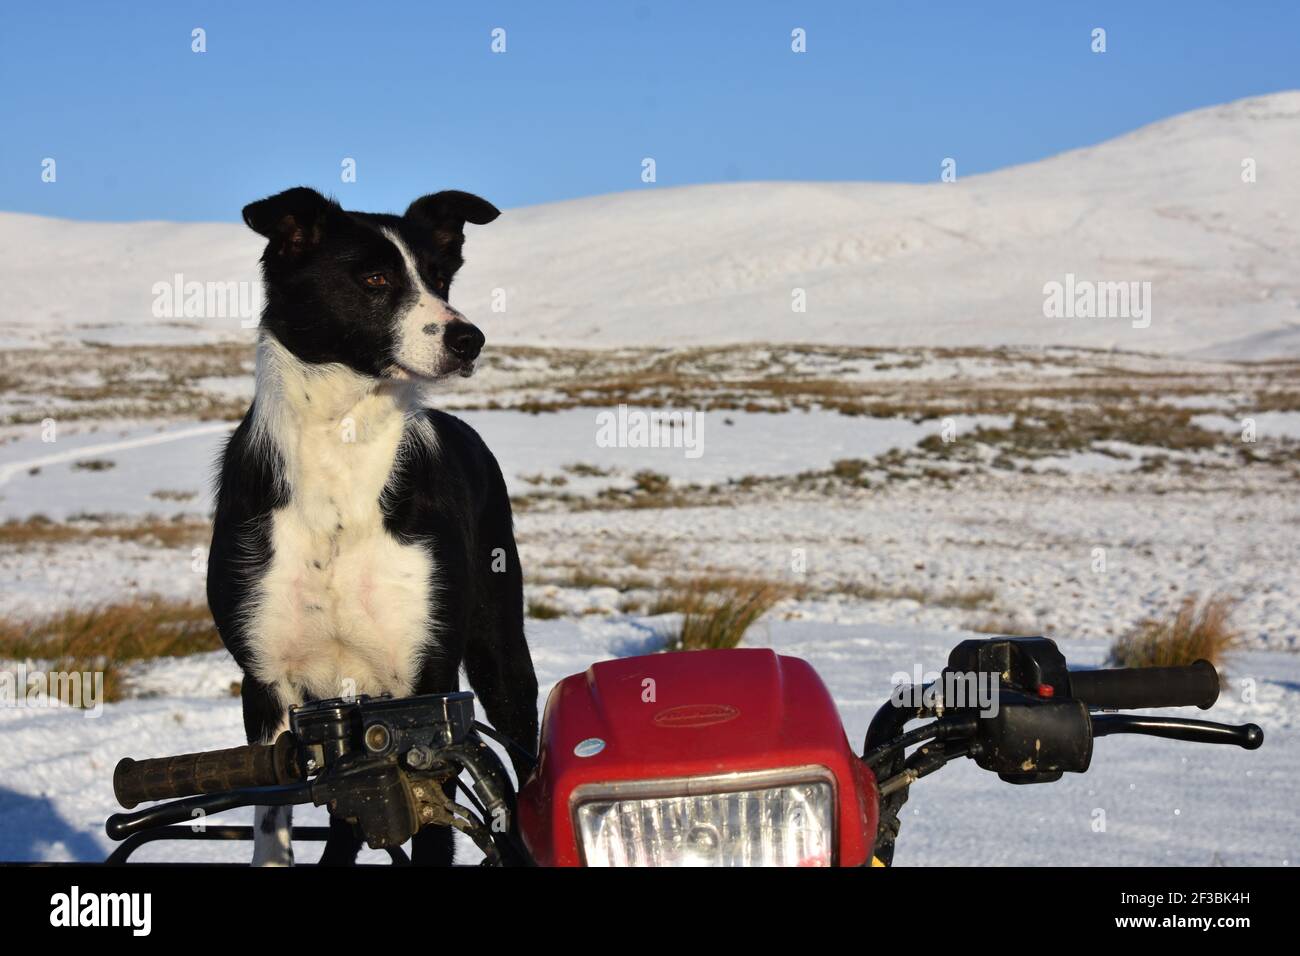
column 255, row 765
column 1134, row 688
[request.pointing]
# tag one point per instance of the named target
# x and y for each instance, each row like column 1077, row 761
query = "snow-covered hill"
column 962, row 263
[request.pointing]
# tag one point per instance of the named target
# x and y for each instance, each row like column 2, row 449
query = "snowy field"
column 903, row 554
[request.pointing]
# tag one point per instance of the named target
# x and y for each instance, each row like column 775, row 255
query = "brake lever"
column 1246, row 736
column 119, row 826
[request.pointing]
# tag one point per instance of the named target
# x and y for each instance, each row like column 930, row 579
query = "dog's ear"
column 444, row 214
column 294, row 221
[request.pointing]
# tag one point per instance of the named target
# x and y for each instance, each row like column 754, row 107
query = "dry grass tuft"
column 543, row 610
column 714, row 616
column 94, row 464
column 1199, row 630
column 1003, row 626
column 180, row 531
column 107, row 637
column 965, row 598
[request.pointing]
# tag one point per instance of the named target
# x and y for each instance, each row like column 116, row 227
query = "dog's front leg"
column 272, row 836
column 265, row 717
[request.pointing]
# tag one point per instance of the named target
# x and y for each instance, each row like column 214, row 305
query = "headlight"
column 688, row 822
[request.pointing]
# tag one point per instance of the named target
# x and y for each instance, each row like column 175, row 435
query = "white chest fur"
column 343, row 607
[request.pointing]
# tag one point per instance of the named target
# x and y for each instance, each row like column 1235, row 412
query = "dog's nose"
column 463, row 340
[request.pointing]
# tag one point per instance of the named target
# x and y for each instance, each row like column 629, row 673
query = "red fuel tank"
column 743, row 739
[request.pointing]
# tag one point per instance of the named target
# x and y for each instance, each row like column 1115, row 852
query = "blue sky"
column 141, row 127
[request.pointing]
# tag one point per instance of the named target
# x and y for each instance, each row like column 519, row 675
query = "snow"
column 1033, row 546
column 1088, row 461
column 954, row 264
column 53, row 479
column 731, row 444
column 43, row 580
column 183, row 457
column 1266, row 424
column 1032, row 543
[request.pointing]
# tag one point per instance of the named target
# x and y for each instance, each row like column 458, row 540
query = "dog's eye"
column 440, row 284
column 376, row 280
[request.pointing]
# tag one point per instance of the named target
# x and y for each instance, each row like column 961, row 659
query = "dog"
column 362, row 542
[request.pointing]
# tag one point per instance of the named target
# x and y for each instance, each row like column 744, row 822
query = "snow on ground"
column 1265, row 424
column 1028, row 539
column 729, row 444
column 102, row 472
column 1165, row 802
column 99, row 473
column 42, row 580
column 1033, row 546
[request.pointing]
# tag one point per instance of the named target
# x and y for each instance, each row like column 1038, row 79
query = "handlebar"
column 1042, row 727
column 213, row 771
column 1139, row 688
column 388, row 765
column 385, row 765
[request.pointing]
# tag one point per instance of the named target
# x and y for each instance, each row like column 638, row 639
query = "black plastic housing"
column 1024, row 662
column 1035, row 735
column 1032, row 736
column 328, row 730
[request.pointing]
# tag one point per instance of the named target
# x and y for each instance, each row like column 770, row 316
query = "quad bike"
column 706, row 758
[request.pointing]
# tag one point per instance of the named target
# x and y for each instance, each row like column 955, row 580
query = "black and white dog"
column 363, row 543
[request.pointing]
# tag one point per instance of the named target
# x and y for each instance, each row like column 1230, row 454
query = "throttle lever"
column 1246, row 736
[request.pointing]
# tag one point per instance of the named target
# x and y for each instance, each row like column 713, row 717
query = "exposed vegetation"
column 97, row 382
column 1003, row 626
column 157, row 381
column 108, row 638
column 180, row 531
column 1201, row 629
column 963, row 598
column 94, row 464
column 543, row 610
column 715, row 618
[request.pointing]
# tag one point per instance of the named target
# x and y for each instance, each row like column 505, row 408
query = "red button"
column 1046, row 690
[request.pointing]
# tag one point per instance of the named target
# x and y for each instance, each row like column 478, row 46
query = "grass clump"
column 179, row 531
column 543, row 610
column 716, row 617
column 107, row 637
column 1199, row 630
column 1003, row 626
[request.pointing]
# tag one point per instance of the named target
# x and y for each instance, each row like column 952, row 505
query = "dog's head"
column 368, row 290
